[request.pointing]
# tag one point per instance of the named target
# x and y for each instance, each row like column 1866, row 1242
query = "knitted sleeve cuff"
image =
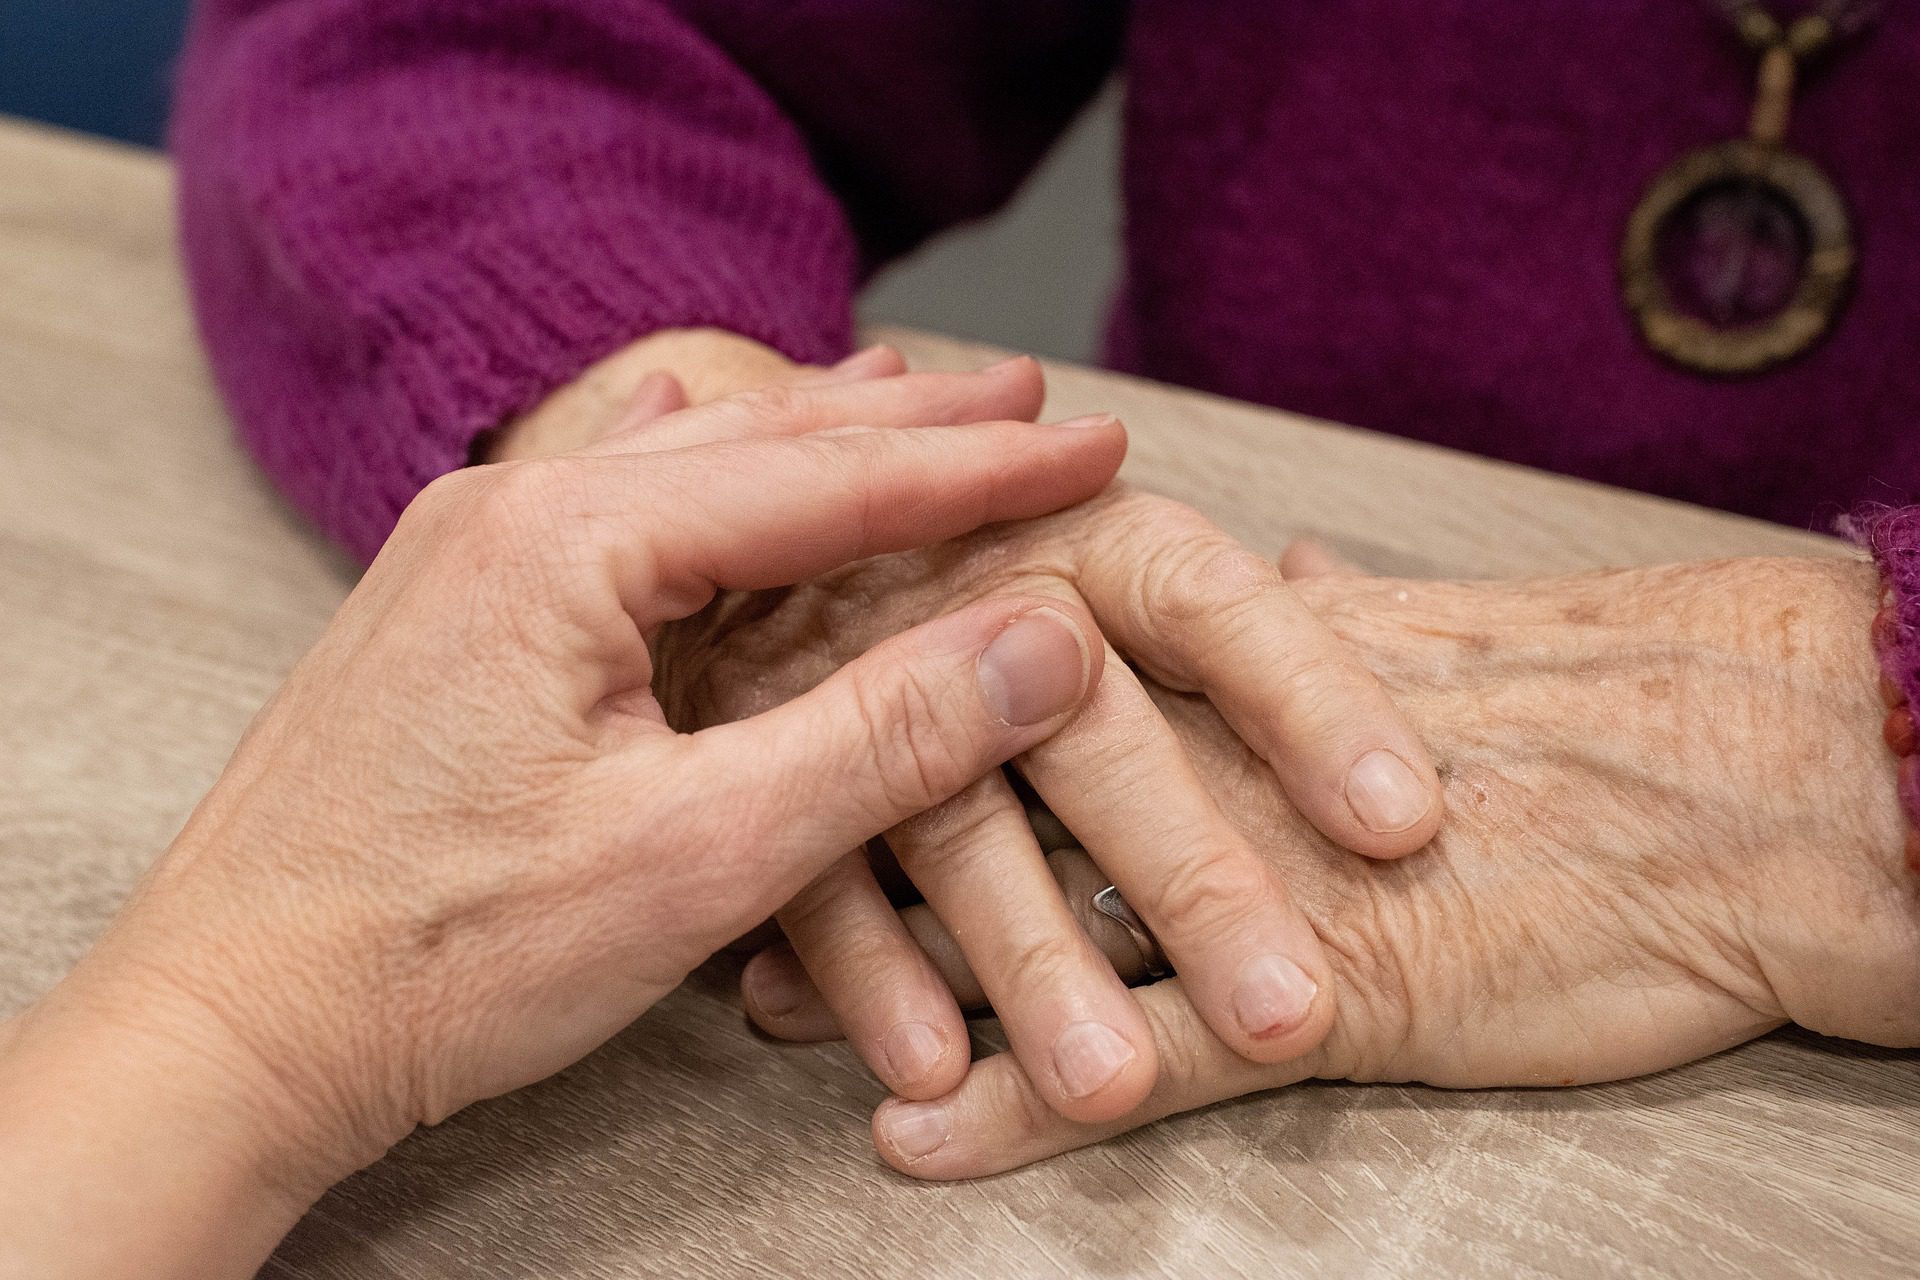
column 402, row 230
column 1892, row 535
column 483, row 334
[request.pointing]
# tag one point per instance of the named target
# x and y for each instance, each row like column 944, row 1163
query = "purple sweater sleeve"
column 1892, row 535
column 407, row 220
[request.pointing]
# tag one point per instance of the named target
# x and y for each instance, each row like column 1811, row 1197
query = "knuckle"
column 1041, row 963
column 1182, row 1047
column 513, row 505
column 830, row 913
column 945, row 838
column 812, row 913
column 1322, row 685
column 1197, row 578
column 769, row 405
column 532, row 485
column 454, row 490
column 1125, row 502
column 919, row 755
column 1020, row 1113
column 1204, row 894
column 1112, row 527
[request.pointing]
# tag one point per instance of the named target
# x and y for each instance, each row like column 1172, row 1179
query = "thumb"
column 894, row 733
column 1311, row 558
column 659, row 394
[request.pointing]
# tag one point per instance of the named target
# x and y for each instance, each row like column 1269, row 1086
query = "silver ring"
column 1110, row 904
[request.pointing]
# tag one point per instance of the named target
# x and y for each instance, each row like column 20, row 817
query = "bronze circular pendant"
column 1738, row 257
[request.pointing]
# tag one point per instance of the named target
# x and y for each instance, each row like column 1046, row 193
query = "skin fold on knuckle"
column 854, row 964
column 774, row 405
column 916, row 742
column 1046, row 962
column 1196, row 577
column 1207, row 892
column 1010, row 1121
column 1121, row 523
column 820, row 908
column 1323, row 689
column 950, row 838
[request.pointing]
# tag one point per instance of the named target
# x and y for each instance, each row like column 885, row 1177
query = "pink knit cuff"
column 1892, row 534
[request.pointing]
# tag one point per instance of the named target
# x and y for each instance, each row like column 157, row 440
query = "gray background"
column 1035, row 278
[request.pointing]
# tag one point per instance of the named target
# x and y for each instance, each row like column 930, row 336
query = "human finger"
column 753, row 514
column 1311, row 558
column 1066, row 1014
column 887, row 997
column 893, row 733
column 1201, row 612
column 998, row 1118
column 1012, row 390
column 1119, row 778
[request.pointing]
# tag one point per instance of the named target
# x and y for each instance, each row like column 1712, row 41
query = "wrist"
column 195, row 1078
column 137, row 1147
column 1834, row 912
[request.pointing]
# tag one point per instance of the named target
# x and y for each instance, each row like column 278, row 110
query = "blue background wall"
column 99, row 65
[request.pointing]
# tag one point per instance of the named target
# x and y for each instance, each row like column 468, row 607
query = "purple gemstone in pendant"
column 1734, row 252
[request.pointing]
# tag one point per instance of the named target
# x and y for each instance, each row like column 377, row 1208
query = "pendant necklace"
column 1740, row 255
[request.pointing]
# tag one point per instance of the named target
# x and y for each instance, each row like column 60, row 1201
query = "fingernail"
column 1003, row 365
column 772, row 985
column 1035, row 669
column 913, row 1050
column 916, row 1129
column 1273, row 996
column 1385, row 794
column 1089, row 420
column 1087, row 1056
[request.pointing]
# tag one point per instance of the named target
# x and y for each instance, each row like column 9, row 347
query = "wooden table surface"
column 153, row 592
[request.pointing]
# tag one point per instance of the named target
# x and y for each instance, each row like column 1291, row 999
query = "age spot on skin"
column 1789, row 621
column 1471, row 641
column 1658, row 687
column 1583, row 613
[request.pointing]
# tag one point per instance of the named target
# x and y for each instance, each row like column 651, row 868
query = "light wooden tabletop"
column 153, row 592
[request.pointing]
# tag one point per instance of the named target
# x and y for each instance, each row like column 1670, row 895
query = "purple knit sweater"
column 406, row 220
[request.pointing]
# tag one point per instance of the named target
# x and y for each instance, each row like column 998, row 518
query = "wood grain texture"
column 153, row 592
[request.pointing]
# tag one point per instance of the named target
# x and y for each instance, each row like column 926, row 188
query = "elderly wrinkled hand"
column 1672, row 826
column 1173, row 594
column 1188, row 604
column 461, row 847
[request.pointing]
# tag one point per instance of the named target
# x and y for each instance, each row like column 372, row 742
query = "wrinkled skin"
column 1667, row 800
column 1671, row 827
column 1182, row 597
